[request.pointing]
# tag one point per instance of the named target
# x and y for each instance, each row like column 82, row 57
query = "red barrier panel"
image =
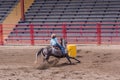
column 35, row 34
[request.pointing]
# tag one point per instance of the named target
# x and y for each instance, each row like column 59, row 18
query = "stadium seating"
column 5, row 8
column 74, row 13
column 59, row 11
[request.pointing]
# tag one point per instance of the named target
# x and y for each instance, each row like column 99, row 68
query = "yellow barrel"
column 71, row 50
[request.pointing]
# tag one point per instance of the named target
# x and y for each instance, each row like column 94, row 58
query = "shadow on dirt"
column 54, row 63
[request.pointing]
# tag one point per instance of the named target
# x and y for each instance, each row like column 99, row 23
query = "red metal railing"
column 32, row 34
column 1, row 35
column 35, row 34
column 99, row 33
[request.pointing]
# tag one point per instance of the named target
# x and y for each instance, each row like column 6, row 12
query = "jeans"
column 62, row 48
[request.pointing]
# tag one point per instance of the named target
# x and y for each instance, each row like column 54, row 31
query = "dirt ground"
column 97, row 63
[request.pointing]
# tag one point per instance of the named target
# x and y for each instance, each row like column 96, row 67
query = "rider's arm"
column 53, row 42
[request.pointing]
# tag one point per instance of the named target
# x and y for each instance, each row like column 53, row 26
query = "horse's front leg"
column 75, row 59
column 68, row 58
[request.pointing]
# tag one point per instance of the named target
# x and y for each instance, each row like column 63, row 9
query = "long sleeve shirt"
column 54, row 42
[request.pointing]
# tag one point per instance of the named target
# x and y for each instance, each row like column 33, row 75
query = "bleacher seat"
column 53, row 13
column 5, row 8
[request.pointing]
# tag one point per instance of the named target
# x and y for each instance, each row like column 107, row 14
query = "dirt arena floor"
column 97, row 63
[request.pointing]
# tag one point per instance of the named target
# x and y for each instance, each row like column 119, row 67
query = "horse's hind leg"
column 47, row 58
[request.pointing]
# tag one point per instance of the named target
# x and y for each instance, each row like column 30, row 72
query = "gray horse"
column 53, row 51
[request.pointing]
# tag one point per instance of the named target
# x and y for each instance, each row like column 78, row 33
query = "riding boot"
column 63, row 50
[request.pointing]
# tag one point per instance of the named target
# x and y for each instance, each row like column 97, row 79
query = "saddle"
column 56, row 47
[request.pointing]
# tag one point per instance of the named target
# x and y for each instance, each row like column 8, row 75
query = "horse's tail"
column 37, row 54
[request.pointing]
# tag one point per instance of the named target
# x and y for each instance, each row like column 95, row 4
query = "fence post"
column 22, row 10
column 1, row 35
column 98, row 33
column 64, row 31
column 32, row 34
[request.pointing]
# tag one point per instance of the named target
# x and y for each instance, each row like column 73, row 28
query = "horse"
column 53, row 51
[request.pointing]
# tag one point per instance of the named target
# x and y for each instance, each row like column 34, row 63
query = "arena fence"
column 35, row 34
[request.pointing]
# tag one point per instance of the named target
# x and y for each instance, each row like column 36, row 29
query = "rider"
column 54, row 42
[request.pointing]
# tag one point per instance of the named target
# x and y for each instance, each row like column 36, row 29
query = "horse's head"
column 63, row 42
